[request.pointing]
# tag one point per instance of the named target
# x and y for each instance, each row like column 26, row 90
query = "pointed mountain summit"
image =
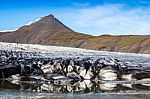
column 40, row 31
column 47, row 23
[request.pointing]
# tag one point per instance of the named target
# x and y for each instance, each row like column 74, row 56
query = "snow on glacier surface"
column 55, row 51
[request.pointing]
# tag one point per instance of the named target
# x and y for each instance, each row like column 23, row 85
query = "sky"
column 94, row 17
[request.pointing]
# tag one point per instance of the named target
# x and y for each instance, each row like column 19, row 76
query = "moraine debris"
column 29, row 64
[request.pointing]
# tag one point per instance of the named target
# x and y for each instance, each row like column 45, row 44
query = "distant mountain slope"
column 50, row 31
column 133, row 44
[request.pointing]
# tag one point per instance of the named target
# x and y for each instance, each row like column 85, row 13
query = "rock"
column 30, row 64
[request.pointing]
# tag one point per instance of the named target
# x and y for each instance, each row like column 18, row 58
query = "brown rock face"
column 50, row 31
column 36, row 32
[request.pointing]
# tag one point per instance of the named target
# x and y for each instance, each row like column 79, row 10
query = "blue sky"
column 95, row 17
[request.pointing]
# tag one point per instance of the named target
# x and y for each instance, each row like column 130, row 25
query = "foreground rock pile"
column 77, row 69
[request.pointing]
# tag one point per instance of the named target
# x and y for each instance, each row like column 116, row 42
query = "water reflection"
column 20, row 95
column 35, row 89
column 85, row 86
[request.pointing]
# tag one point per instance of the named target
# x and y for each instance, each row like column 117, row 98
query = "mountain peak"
column 47, row 19
column 49, row 23
column 50, row 16
column 38, row 31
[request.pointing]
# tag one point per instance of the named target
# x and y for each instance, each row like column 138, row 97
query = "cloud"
column 144, row 1
column 108, row 19
column 80, row 4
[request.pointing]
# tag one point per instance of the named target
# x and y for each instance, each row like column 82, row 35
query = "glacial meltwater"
column 78, row 90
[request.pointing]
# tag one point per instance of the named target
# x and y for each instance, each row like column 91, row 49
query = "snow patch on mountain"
column 9, row 30
column 33, row 21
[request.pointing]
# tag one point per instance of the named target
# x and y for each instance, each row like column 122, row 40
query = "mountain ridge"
column 50, row 31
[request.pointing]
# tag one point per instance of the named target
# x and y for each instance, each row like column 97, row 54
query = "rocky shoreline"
column 31, row 64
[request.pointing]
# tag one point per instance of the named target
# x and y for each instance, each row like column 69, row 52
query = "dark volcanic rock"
column 76, row 69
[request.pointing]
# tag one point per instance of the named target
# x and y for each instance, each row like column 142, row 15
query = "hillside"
column 50, row 31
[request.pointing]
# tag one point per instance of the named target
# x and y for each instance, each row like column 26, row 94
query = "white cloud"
column 80, row 4
column 104, row 19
